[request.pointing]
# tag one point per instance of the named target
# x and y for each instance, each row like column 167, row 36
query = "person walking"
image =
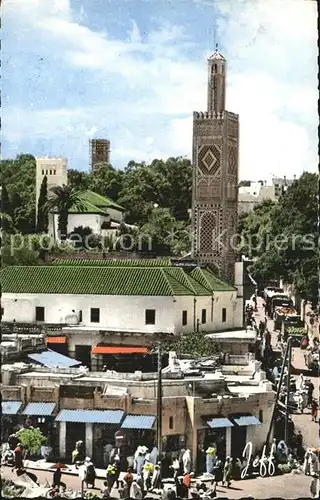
column 111, row 476
column 187, row 478
column 18, row 456
column 227, row 472
column 139, row 460
column 186, row 460
column 217, row 472
column 128, row 479
column 210, row 458
column 310, row 389
column 56, row 480
column 156, row 478
column 136, row 492
column 314, row 486
column 314, row 410
column 90, row 472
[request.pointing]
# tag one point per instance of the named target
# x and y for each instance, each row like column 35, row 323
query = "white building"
column 56, row 170
column 257, row 192
column 100, row 213
column 129, row 298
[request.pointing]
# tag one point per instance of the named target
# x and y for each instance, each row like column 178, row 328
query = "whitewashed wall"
column 118, row 312
column 126, row 313
column 94, row 221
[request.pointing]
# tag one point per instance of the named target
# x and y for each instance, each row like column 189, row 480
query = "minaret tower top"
column 217, row 66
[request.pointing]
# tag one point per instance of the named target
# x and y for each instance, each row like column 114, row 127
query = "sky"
column 133, row 71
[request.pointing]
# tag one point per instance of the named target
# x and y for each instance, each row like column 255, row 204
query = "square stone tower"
column 215, row 176
column 56, row 170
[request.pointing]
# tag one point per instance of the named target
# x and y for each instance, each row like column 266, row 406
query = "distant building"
column 98, row 212
column 255, row 192
column 281, row 184
column 56, row 170
column 99, row 152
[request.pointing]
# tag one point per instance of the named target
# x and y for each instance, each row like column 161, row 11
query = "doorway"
column 238, row 440
column 76, row 431
column 83, row 354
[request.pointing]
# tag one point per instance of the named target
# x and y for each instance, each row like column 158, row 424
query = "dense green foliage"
column 42, row 215
column 196, row 344
column 284, row 237
column 19, row 178
column 32, row 439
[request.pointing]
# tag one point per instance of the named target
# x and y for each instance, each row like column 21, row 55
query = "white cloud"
column 271, row 49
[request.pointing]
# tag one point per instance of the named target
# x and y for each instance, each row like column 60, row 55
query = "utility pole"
column 159, row 404
column 277, row 395
column 286, row 429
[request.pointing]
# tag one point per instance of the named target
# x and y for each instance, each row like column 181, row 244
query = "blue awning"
column 218, row 423
column 10, row 407
column 138, row 422
column 52, row 359
column 39, row 409
column 91, row 416
column 246, row 421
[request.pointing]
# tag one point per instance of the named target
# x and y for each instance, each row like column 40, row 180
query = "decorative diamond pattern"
column 209, row 159
column 232, row 161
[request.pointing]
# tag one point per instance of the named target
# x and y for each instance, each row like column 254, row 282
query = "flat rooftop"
column 236, row 335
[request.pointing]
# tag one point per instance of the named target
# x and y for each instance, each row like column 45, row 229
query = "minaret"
column 215, row 175
column 216, row 82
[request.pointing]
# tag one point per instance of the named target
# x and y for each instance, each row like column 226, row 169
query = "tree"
column 168, row 236
column 197, row 344
column 6, row 210
column 167, row 184
column 64, row 198
column 288, row 237
column 16, row 250
column 32, row 439
column 19, row 176
column 83, row 237
column 42, row 216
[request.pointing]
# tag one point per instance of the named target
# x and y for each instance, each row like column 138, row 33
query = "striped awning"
column 10, row 407
column 138, row 422
column 39, row 409
column 91, row 416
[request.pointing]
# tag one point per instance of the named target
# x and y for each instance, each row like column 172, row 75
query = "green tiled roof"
column 98, row 200
column 114, row 263
column 210, row 281
column 87, row 207
column 179, row 274
column 91, row 280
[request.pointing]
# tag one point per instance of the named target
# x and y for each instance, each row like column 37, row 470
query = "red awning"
column 56, row 340
column 113, row 349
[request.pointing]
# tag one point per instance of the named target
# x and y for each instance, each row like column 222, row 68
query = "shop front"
column 123, row 359
column 240, row 432
column 94, row 427
column 58, row 344
column 41, row 415
column 136, row 430
column 9, row 418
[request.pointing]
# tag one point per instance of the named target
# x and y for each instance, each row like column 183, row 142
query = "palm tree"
column 64, row 198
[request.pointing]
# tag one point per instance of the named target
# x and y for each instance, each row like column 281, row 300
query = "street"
column 289, row 486
column 302, row 422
